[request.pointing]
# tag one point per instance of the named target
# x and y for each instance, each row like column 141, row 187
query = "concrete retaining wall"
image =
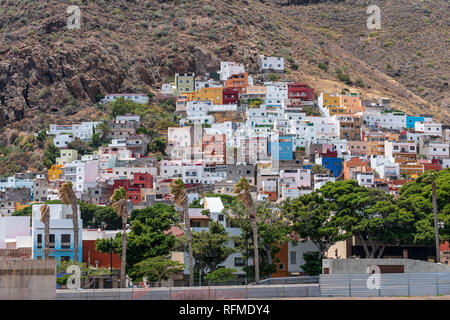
column 27, row 279
column 358, row 266
column 197, row 293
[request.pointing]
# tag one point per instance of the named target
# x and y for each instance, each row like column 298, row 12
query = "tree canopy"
column 147, row 237
column 416, row 197
column 157, row 268
column 210, row 248
column 273, row 229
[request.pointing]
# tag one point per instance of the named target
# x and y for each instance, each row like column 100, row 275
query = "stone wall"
column 27, row 280
column 358, row 266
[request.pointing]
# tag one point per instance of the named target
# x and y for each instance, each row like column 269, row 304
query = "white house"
column 192, row 172
column 65, row 134
column 138, row 98
column 62, row 140
column 228, row 68
column 129, row 117
column 215, row 207
column 228, row 128
column 429, row 128
column 366, row 179
column 61, row 233
column 385, row 167
column 320, row 180
column 81, row 174
column 388, row 119
column 276, row 93
column 197, row 112
column 391, row 148
column 298, row 178
column 271, row 64
column 168, row 89
column 170, row 169
column 209, row 83
column 437, row 150
column 445, row 163
column 11, row 228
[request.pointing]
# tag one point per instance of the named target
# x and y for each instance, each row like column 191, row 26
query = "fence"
column 391, row 285
column 291, row 280
column 20, row 253
column 193, row 293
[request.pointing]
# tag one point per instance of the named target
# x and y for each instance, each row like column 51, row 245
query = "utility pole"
column 436, row 222
column 246, row 257
column 110, row 254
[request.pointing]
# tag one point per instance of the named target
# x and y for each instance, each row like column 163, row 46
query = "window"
column 65, row 241
column 65, row 258
column 281, row 266
column 52, row 241
column 293, row 257
column 220, row 217
column 39, row 241
column 239, row 262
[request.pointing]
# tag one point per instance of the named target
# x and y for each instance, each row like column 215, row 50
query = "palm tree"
column 242, row 188
column 180, row 199
column 119, row 199
column 45, row 218
column 67, row 196
column 430, row 177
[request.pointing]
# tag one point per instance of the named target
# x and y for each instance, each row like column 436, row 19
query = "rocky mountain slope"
column 50, row 73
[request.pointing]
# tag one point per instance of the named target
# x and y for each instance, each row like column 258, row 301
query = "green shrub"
column 342, row 76
column 323, row 66
column 42, row 93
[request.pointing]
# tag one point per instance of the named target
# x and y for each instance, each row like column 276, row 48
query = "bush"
column 42, row 93
column 221, row 275
column 360, row 83
column 344, row 77
column 323, row 66
column 313, row 263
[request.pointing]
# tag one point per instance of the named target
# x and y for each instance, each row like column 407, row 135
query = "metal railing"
column 194, row 293
column 290, row 280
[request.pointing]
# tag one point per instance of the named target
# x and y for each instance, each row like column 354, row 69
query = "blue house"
column 285, row 149
column 61, row 233
column 334, row 165
column 411, row 121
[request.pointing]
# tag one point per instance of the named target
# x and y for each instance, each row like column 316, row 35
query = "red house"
column 94, row 258
column 298, row 92
column 230, row 95
column 133, row 187
column 143, row 180
column 445, row 252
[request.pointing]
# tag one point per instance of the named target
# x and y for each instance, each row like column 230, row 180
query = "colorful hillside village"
column 284, row 138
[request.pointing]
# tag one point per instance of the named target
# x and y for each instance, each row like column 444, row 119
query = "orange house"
column 353, row 163
column 55, row 172
column 352, row 103
column 282, row 258
column 239, row 81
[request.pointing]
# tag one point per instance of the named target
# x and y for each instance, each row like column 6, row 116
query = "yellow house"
column 209, row 94
column 67, row 156
column 414, row 170
column 20, row 206
column 337, row 110
column 256, row 90
column 55, row 172
column 331, row 99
